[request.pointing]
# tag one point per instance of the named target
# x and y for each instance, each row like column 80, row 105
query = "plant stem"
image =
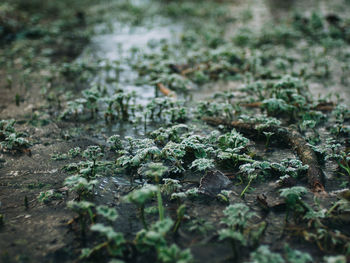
column 246, row 188
column 160, row 204
column 91, row 215
column 331, row 209
column 345, row 167
column 242, row 159
column 176, row 227
column 267, row 141
column 180, row 215
column 142, row 215
column 82, row 227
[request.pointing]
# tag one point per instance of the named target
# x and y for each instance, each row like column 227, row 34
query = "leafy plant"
column 140, row 197
column 296, row 256
column 116, row 143
column 252, row 170
column 268, row 136
column 80, row 184
column 335, row 259
column 200, row 225
column 114, row 244
column 156, row 170
column 293, row 199
column 109, row 213
column 202, row 164
column 72, row 153
column 10, row 139
column 173, row 253
column 264, row 255
column 84, row 210
column 170, row 186
column 190, row 193
column 155, row 236
column 47, row 196
column 236, row 219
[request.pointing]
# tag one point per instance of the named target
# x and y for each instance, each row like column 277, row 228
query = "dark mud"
column 36, row 231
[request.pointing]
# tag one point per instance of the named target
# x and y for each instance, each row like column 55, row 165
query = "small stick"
column 165, row 90
column 319, row 107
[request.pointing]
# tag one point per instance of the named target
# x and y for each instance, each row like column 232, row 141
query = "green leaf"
column 296, row 256
column 109, row 233
column 142, row 195
column 202, row 164
column 107, row 212
column 264, row 255
column 174, row 254
column 231, row 234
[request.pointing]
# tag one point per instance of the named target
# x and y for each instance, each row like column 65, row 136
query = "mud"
column 38, row 232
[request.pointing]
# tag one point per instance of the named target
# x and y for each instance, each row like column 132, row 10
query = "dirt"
column 34, row 231
column 31, row 233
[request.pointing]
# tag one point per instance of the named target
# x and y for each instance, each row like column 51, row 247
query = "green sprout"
column 92, row 154
column 154, row 237
column 109, row 213
column 80, row 184
column 139, row 197
column 17, row 99
column 223, row 196
column 342, row 205
column 252, row 170
column 47, row 196
column 268, row 136
column 92, row 96
column 116, row 143
column 173, row 254
column 203, row 164
column 83, row 209
column 10, row 139
column 170, row 186
column 72, row 153
column 296, row 256
column 264, row 255
column 342, row 158
column 180, row 212
column 293, row 198
column 335, row 259
column 14, row 141
column 190, row 193
column 236, row 219
column 274, row 106
column 114, row 244
column 200, row 225
column 156, row 170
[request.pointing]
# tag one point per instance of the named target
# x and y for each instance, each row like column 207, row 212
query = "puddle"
column 119, row 46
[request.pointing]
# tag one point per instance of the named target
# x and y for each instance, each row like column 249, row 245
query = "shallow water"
column 119, row 45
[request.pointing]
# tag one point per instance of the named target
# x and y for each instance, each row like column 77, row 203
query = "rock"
column 268, row 201
column 213, row 182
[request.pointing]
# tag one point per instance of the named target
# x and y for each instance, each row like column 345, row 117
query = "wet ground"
column 38, row 232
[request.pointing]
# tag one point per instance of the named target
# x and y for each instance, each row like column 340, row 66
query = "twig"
column 324, row 106
column 165, row 90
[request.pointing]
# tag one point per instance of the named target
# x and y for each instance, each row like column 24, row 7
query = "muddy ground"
column 34, row 95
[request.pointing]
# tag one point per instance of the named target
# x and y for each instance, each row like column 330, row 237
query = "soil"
column 34, row 231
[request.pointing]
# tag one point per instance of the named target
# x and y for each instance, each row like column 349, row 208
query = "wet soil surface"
column 35, row 231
